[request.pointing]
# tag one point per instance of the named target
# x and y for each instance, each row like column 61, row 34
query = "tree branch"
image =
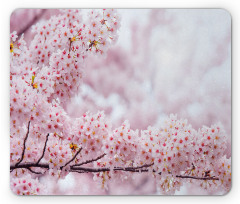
column 103, row 169
column 45, row 145
column 198, row 178
column 33, row 171
column 72, row 158
column 77, row 169
column 90, row 161
column 29, row 165
column 24, row 144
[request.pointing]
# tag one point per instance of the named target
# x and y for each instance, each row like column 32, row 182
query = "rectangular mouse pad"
column 120, row 102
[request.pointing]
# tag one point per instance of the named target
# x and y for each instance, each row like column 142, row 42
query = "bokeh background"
column 165, row 61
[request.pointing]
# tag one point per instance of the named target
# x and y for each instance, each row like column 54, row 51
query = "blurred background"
column 165, row 61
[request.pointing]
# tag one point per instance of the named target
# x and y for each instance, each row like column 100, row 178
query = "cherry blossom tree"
column 48, row 140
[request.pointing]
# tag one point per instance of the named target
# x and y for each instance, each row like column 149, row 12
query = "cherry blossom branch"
column 134, row 169
column 95, row 170
column 84, row 169
column 45, row 145
column 24, row 144
column 90, row 161
column 78, row 169
column 29, row 165
column 32, row 171
column 138, row 169
column 198, row 178
column 72, row 158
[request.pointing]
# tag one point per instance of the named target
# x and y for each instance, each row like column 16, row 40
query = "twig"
column 43, row 149
column 198, row 178
column 70, row 44
column 72, row 158
column 33, row 171
column 24, row 144
column 103, row 169
column 80, row 172
column 90, row 161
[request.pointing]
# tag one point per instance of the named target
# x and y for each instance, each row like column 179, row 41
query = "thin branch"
column 24, row 144
column 94, row 170
column 70, row 44
column 72, row 158
column 90, row 161
column 80, row 172
column 97, row 170
column 33, row 171
column 43, row 149
column 198, row 178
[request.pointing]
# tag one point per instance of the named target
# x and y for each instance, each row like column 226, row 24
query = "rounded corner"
column 12, row 192
column 13, row 11
column 227, row 12
column 227, row 192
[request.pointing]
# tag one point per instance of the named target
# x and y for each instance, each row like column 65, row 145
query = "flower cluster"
column 223, row 170
column 102, row 27
column 89, row 132
column 171, row 147
column 168, row 184
column 26, row 186
column 173, row 151
column 58, row 153
column 121, row 146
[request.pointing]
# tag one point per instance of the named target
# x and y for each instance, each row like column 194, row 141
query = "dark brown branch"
column 94, row 170
column 70, row 45
column 198, row 178
column 32, row 171
column 45, row 145
column 90, row 161
column 85, row 169
column 29, row 165
column 24, row 144
column 78, row 169
column 80, row 172
column 72, row 158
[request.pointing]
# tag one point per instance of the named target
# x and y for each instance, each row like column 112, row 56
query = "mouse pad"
column 120, row 102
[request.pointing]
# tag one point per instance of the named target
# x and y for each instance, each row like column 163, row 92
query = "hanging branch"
column 33, row 171
column 24, row 144
column 45, row 145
